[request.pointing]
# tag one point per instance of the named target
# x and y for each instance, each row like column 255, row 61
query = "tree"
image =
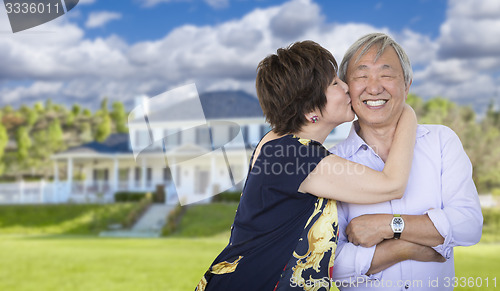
column 55, row 136
column 103, row 127
column 76, row 109
column 39, row 107
column 87, row 112
column 104, row 105
column 85, row 134
column 119, row 117
column 4, row 139
column 23, row 146
column 48, row 105
column 30, row 115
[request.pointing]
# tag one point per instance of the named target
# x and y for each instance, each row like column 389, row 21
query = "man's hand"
column 369, row 229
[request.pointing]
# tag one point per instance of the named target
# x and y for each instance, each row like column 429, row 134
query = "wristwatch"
column 397, row 225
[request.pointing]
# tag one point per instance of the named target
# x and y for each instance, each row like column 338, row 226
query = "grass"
column 173, row 264
column 91, row 263
column 63, row 262
column 88, row 219
column 207, row 220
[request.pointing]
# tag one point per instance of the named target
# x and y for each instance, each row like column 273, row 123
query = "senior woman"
column 285, row 230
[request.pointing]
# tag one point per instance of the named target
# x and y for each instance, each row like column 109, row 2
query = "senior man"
column 403, row 244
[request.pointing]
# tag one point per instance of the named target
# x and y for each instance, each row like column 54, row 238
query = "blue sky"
column 122, row 49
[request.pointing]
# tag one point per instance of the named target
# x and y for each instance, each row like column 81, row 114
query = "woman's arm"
column 343, row 180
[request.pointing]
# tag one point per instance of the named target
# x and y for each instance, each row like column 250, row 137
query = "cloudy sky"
column 122, row 49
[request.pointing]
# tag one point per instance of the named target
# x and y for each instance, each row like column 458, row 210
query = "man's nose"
column 374, row 87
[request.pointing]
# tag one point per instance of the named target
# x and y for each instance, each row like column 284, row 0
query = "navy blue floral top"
column 281, row 239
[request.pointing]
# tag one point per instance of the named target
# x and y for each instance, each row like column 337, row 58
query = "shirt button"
column 407, row 286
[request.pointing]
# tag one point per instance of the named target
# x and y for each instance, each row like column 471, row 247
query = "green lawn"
column 90, row 263
column 85, row 263
column 62, row 262
column 74, row 219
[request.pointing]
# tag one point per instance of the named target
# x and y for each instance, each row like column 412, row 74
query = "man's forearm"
column 370, row 229
column 420, row 229
column 392, row 251
column 388, row 253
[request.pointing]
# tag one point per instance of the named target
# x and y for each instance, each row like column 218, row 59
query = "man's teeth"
column 375, row 102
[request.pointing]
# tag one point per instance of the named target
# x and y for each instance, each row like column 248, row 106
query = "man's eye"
column 360, row 77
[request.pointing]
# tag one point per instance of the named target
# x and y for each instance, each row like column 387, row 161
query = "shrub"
column 173, row 220
column 130, row 196
column 138, row 210
column 233, row 196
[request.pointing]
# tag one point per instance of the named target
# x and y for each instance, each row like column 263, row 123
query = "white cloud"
column 101, row 18
column 474, row 9
column 217, row 4
column 69, row 67
column 32, row 92
column 471, row 29
column 152, row 3
column 223, row 56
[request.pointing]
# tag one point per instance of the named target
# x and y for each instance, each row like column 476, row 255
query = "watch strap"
column 397, row 235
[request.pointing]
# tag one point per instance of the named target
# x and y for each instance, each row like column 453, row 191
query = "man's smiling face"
column 377, row 88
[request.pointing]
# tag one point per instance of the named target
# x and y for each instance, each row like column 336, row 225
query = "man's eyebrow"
column 361, row 67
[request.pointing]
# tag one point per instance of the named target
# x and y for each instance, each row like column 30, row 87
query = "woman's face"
column 338, row 103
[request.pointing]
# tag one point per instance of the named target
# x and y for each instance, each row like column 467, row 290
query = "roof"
column 115, row 143
column 216, row 105
column 235, row 104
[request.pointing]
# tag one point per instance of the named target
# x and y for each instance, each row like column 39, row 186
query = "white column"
column 56, row 172
column 70, row 178
column 143, row 174
column 116, row 178
column 131, row 178
column 55, row 185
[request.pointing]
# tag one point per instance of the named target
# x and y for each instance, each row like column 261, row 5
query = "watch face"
column 397, row 224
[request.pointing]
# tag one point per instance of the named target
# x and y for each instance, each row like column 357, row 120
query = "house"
column 195, row 148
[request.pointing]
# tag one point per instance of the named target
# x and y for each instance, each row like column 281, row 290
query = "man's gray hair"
column 382, row 40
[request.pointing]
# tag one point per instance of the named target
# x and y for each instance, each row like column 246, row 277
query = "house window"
column 179, row 174
column 244, row 130
column 202, row 181
column 202, row 136
column 142, row 138
column 100, row 175
column 149, row 174
column 123, row 174
column 138, row 174
column 173, row 137
column 233, row 131
column 167, row 175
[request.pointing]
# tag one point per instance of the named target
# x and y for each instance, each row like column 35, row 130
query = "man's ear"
column 407, row 90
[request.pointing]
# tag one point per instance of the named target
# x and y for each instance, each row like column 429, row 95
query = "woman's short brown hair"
column 293, row 82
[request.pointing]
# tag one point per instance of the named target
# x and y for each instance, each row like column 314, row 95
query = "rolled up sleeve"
column 460, row 220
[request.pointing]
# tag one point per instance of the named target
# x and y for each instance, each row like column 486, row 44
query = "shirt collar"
column 353, row 143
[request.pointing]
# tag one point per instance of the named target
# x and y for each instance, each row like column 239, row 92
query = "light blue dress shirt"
column 440, row 185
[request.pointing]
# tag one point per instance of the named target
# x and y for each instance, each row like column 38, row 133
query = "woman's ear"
column 312, row 117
